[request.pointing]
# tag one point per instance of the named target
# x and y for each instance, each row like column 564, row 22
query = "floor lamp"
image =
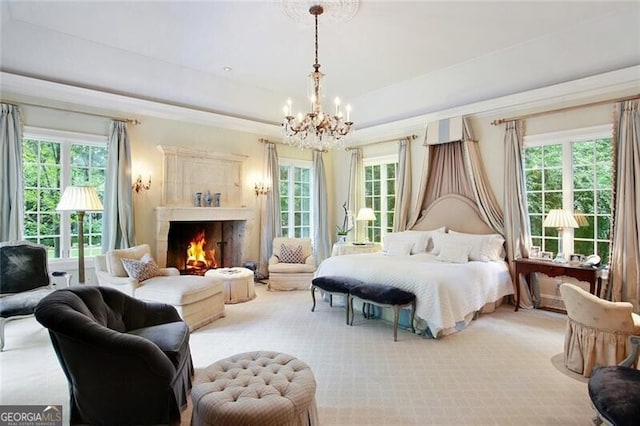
column 80, row 199
column 365, row 215
column 560, row 219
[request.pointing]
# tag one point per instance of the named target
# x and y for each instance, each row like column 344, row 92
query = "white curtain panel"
column 11, row 179
column 117, row 218
column 624, row 277
column 270, row 211
column 403, row 186
column 517, row 231
column 320, row 203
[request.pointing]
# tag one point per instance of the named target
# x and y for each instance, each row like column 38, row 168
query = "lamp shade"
column 79, row 198
column 558, row 218
column 366, row 213
column 580, row 218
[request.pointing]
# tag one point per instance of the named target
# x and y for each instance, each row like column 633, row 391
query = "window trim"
column 380, row 160
column 67, row 138
column 564, row 138
column 305, row 164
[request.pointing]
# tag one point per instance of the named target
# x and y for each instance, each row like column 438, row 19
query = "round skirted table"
column 238, row 283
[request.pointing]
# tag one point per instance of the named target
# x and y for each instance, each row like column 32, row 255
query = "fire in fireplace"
column 198, row 257
column 196, row 247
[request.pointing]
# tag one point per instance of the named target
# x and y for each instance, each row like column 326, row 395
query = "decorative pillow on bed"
column 454, row 253
column 400, row 248
column 491, row 245
column 421, row 240
column 291, row 254
column 142, row 269
column 424, row 237
column 462, row 240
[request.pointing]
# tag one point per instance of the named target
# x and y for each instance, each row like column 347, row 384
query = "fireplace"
column 230, row 225
column 186, row 171
column 194, row 247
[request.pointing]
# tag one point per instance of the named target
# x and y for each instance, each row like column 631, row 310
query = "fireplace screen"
column 196, row 247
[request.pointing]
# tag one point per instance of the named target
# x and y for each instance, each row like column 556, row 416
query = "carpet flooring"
column 505, row 368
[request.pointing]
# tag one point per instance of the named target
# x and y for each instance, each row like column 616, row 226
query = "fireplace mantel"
column 166, row 215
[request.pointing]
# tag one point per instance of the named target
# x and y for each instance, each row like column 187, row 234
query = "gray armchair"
column 127, row 361
column 24, row 281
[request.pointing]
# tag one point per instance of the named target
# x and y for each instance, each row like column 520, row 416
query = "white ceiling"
column 392, row 60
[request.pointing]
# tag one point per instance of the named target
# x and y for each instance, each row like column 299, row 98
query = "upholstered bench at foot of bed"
column 385, row 296
column 334, row 285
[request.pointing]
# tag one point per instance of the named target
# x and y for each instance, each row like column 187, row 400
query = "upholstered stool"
column 385, row 296
column 238, row 283
column 255, row 388
column 334, row 286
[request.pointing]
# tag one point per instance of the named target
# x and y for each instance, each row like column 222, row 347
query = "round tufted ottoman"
column 238, row 283
column 255, row 388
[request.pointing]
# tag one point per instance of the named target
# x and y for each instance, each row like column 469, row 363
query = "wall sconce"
column 140, row 186
column 262, row 188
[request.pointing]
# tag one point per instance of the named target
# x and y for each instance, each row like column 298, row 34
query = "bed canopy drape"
column 455, row 167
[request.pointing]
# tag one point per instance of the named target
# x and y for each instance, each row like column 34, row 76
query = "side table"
column 529, row 266
column 340, row 249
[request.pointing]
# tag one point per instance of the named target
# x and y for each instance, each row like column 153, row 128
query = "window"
column 380, row 194
column 571, row 170
column 295, row 199
column 53, row 160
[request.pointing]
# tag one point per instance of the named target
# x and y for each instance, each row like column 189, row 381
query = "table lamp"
column 80, row 199
column 366, row 214
column 560, row 219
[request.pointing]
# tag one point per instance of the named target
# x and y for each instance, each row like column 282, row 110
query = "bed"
column 450, row 290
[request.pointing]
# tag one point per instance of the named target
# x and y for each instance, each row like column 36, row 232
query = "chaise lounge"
column 198, row 300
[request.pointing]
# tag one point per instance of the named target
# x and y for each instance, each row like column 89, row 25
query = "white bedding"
column 446, row 293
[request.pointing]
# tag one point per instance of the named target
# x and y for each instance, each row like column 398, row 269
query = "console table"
column 529, row 266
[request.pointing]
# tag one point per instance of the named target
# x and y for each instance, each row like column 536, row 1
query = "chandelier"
column 317, row 129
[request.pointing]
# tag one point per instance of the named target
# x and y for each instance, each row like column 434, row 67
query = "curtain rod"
column 408, row 138
column 569, row 108
column 126, row 120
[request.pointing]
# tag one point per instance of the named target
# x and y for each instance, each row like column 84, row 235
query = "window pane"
column 553, row 156
column 533, row 158
column 583, row 153
column 583, row 177
column 553, row 179
column 583, row 247
column 583, row 201
column 604, row 202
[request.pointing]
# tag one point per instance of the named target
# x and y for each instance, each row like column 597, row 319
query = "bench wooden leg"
column 396, row 314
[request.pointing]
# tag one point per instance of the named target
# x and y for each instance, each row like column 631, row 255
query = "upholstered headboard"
column 455, row 212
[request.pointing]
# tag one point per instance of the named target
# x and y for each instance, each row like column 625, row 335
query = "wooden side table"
column 529, row 266
column 340, row 249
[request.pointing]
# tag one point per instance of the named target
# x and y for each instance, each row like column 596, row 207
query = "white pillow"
column 426, row 235
column 399, row 248
column 491, row 245
column 396, row 237
column 421, row 240
column 454, row 239
column 454, row 253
